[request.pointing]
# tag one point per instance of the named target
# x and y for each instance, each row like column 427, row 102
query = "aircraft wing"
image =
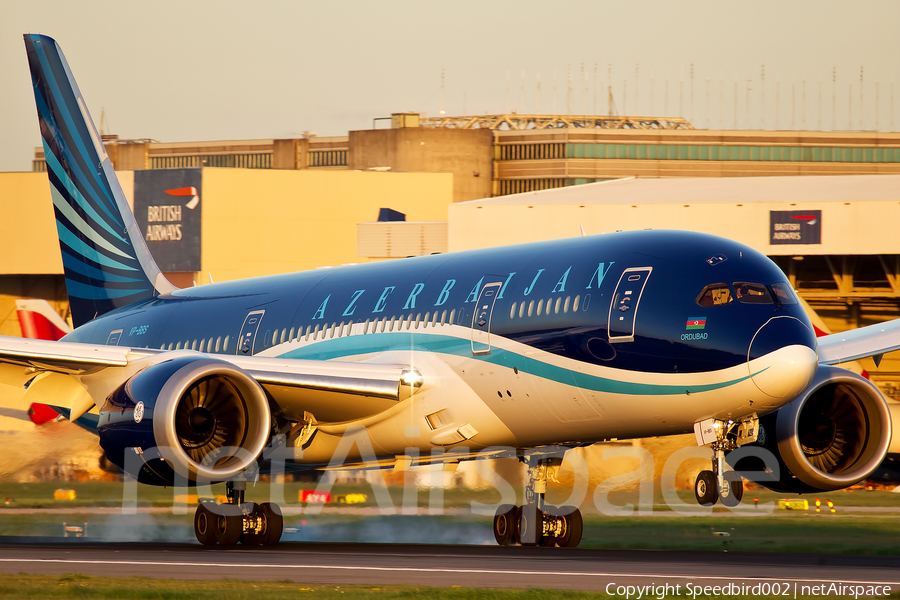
column 332, row 390
column 873, row 340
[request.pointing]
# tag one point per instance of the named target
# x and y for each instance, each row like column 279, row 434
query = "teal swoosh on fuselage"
column 346, row 347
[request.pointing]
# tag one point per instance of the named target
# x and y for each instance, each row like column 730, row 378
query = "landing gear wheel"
column 228, row 528
column 571, row 537
column 552, row 515
column 531, row 525
column 252, row 537
column 705, row 488
column 733, row 491
column 271, row 514
column 204, row 527
column 504, row 525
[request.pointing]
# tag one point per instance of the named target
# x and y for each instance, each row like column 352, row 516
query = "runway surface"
column 443, row 566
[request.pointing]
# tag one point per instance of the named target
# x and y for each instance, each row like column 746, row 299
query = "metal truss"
column 520, row 122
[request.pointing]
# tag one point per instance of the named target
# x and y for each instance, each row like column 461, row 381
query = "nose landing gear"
column 536, row 523
column 238, row 521
column 722, row 436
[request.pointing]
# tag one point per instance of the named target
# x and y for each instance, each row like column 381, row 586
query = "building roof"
column 699, row 190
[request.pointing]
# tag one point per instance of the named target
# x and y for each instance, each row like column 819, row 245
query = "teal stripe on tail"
column 105, row 260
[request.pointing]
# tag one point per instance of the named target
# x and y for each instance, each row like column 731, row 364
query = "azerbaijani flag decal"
column 696, row 323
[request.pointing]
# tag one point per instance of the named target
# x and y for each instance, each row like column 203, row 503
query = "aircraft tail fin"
column 106, row 261
column 39, row 321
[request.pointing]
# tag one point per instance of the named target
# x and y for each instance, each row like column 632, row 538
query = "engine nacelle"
column 831, row 437
column 185, row 420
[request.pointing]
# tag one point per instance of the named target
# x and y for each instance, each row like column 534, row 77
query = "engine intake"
column 199, row 419
column 831, row 437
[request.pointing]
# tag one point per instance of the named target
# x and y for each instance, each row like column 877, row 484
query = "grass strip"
column 50, row 587
column 39, row 587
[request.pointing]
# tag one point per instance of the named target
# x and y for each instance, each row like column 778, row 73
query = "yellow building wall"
column 859, row 227
column 259, row 222
column 30, row 263
column 28, row 240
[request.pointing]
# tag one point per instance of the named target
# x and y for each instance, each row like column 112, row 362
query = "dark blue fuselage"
column 559, row 296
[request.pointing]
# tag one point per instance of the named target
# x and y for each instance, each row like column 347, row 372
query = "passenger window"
column 225, row 343
column 218, row 343
column 203, row 345
column 521, row 310
column 556, row 308
column 426, row 319
column 752, row 293
column 575, row 303
column 540, row 307
column 452, row 314
column 566, row 304
column 512, row 311
column 434, row 319
column 714, row 295
column 784, row 294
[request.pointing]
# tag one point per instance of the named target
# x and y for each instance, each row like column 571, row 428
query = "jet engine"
column 186, row 420
column 832, row 436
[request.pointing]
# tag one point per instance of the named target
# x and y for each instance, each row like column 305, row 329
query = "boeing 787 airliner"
column 535, row 348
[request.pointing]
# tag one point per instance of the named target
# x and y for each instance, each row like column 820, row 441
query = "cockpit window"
column 714, row 295
column 784, row 294
column 752, row 293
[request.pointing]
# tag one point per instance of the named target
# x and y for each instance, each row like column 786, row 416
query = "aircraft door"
column 248, row 332
column 481, row 319
column 114, row 337
column 625, row 301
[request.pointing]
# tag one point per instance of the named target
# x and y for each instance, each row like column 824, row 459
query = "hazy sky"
column 217, row 69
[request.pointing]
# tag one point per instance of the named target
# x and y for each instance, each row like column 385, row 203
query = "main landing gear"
column 535, row 523
column 238, row 521
column 722, row 436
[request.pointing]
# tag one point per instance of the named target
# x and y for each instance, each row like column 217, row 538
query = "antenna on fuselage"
column 582, row 229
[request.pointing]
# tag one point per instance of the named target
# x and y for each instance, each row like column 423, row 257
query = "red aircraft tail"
column 39, row 321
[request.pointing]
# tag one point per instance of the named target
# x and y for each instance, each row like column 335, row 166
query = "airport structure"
column 504, row 179
column 496, row 155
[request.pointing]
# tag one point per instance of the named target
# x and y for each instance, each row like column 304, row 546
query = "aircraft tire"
column 732, row 496
column 204, row 526
column 706, row 488
column 531, row 525
column 574, row 528
column 228, row 529
column 551, row 512
column 271, row 512
column 253, row 539
column 504, row 525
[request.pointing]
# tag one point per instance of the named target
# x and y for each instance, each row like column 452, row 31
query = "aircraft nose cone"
column 782, row 358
